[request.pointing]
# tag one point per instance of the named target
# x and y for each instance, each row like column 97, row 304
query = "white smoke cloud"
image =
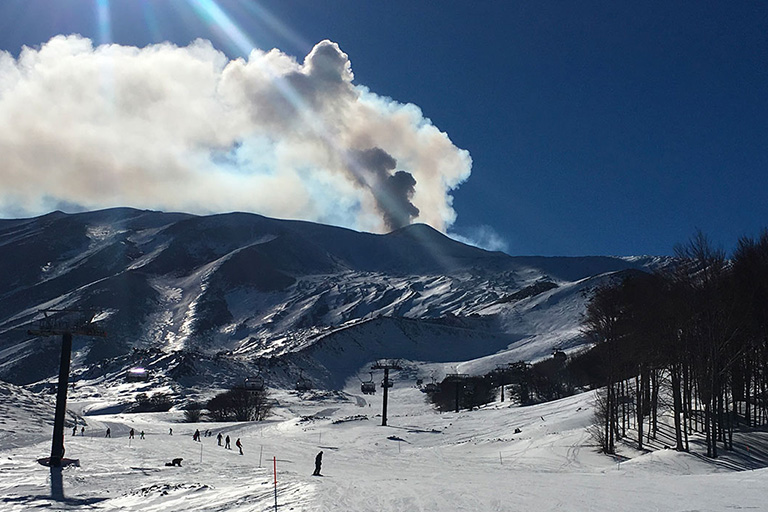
column 187, row 129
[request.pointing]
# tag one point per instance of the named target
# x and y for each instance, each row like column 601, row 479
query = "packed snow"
column 497, row 458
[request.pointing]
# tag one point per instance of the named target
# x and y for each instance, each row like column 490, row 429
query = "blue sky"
column 593, row 127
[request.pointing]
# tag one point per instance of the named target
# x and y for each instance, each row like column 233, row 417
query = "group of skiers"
column 131, row 434
column 220, row 437
column 196, row 437
column 108, row 433
column 226, row 442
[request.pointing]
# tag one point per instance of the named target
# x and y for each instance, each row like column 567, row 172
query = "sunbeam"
column 150, row 18
column 261, row 14
column 104, row 20
column 222, row 24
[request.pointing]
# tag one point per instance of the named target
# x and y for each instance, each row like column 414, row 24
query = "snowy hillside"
column 26, row 417
column 210, row 300
column 422, row 462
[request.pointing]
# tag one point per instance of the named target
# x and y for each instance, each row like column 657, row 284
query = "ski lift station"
column 137, row 374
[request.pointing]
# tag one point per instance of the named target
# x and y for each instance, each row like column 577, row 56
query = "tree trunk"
column 639, row 407
column 677, row 405
column 654, row 403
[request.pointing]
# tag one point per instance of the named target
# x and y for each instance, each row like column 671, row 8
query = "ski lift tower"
column 66, row 323
column 386, row 365
column 501, row 371
column 459, row 379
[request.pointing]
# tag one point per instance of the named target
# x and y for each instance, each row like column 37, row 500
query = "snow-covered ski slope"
column 421, row 461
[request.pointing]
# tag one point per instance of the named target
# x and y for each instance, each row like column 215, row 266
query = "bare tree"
column 240, row 404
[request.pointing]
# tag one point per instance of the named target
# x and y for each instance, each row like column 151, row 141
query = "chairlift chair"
column 368, row 387
column 431, row 387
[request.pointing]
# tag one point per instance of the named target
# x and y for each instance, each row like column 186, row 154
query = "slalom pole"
column 274, row 462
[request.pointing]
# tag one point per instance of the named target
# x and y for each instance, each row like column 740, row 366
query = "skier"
column 226, row 443
column 130, row 434
column 239, row 445
column 141, row 435
column 318, row 463
column 218, row 438
column 109, row 432
column 82, row 431
column 196, row 436
column 170, row 431
column 74, row 430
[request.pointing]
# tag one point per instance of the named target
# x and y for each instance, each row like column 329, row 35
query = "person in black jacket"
column 318, row 463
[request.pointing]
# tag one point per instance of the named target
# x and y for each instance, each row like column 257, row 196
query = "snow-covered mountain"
column 211, row 299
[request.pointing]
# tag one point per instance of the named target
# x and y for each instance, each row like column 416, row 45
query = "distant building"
column 137, row 375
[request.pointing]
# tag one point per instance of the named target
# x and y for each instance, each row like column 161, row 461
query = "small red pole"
column 274, row 462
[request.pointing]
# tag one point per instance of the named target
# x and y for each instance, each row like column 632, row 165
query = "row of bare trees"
column 696, row 332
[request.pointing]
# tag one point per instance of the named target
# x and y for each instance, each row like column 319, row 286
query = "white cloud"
column 482, row 236
column 187, row 129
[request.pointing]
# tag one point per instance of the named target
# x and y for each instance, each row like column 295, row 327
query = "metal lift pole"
column 458, row 379
column 386, row 366
column 459, row 385
column 500, row 370
column 57, row 444
column 386, row 394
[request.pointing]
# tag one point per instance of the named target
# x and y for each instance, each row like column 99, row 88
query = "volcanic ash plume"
column 187, row 129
